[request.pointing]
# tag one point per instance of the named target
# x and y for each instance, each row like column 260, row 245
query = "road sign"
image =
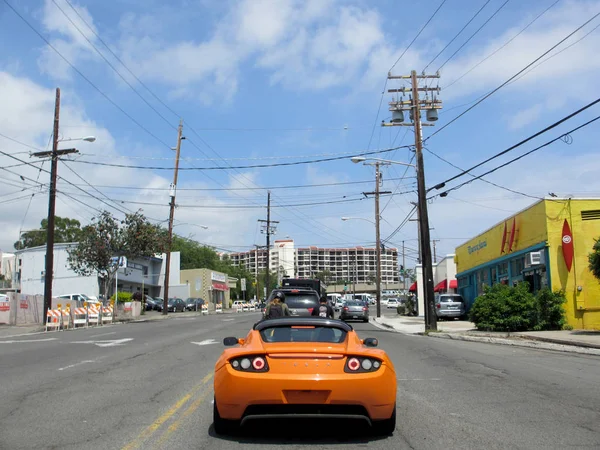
column 243, row 280
column 122, row 260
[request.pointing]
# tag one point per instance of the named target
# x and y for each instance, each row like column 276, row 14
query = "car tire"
column 365, row 320
column 223, row 426
column 385, row 427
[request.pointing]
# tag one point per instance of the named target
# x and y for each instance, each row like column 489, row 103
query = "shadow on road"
column 309, row 432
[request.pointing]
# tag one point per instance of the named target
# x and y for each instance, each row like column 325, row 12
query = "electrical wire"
column 589, row 122
column 404, row 222
column 522, row 142
column 502, row 46
column 90, row 82
column 456, row 36
column 252, row 166
column 489, row 94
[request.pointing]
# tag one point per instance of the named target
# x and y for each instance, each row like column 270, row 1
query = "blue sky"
column 274, row 81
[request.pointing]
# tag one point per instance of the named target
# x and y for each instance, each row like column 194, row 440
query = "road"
column 149, row 385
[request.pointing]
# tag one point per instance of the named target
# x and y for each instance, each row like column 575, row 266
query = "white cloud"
column 526, row 116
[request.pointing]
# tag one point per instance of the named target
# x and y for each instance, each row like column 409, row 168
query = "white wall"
column 66, row 281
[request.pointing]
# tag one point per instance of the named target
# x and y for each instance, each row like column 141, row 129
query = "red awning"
column 220, row 286
column 441, row 286
column 453, row 284
column 413, row 287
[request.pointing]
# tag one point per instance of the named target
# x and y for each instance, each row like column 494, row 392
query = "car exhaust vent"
column 593, row 214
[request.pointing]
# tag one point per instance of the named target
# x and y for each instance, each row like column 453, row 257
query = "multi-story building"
column 356, row 264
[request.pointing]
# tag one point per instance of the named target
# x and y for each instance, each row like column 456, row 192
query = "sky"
column 264, row 87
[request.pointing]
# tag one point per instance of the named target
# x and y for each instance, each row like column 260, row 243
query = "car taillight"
column 250, row 364
column 365, row 308
column 438, row 306
column 345, row 308
column 358, row 364
column 310, row 310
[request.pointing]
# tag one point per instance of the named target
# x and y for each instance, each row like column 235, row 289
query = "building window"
column 503, row 269
column 494, row 279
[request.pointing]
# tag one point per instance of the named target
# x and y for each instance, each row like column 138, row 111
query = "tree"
column 325, row 276
column 195, row 255
column 106, row 238
column 594, row 259
column 410, row 275
column 65, row 230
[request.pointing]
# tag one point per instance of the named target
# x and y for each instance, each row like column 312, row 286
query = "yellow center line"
column 137, row 442
column 177, row 423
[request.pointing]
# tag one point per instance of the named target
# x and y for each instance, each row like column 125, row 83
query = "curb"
column 521, row 342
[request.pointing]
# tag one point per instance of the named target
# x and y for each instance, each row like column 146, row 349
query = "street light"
column 377, row 162
column 87, row 139
column 357, row 218
column 204, row 227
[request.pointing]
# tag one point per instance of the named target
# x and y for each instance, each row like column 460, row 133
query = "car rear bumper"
column 350, row 315
column 450, row 313
column 244, row 396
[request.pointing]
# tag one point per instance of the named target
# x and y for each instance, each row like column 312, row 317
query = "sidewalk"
column 576, row 341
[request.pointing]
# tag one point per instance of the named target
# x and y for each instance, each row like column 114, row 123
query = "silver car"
column 354, row 310
column 450, row 306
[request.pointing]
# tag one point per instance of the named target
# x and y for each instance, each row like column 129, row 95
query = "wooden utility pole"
column 414, row 105
column 434, row 253
column 54, row 154
column 171, row 214
column 268, row 229
column 403, row 267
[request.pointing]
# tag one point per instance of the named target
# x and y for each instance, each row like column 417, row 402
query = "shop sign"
column 215, row 276
column 24, row 304
column 477, row 247
column 4, row 306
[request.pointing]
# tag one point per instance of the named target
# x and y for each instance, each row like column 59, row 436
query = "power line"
column 404, row 222
column 474, row 34
column 456, row 35
column 502, row 46
column 519, row 157
column 489, row 94
column 524, row 141
column 125, row 113
column 252, row 166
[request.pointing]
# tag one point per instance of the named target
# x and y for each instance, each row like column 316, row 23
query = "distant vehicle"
column 194, row 304
column 354, row 310
column 78, row 298
column 3, row 298
column 450, row 306
column 392, row 303
column 304, row 283
column 301, row 302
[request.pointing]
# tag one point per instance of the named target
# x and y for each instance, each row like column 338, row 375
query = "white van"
column 335, row 300
column 78, row 298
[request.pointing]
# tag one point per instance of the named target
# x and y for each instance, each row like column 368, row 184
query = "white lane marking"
column 103, row 334
column 77, row 364
column 205, row 342
column 227, row 320
column 114, row 343
column 27, row 340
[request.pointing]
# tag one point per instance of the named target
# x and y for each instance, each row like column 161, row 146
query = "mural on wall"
column 567, row 245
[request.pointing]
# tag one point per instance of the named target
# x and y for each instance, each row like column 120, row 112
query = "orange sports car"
column 304, row 367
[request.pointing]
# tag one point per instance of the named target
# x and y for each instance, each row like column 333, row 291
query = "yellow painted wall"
column 530, row 230
column 583, row 307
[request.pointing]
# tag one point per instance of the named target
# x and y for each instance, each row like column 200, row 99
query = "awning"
column 218, row 286
column 413, row 287
column 441, row 286
column 453, row 284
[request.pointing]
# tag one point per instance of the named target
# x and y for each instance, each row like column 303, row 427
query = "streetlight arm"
column 357, row 218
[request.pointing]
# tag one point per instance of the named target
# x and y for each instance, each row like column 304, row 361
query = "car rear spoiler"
column 302, row 321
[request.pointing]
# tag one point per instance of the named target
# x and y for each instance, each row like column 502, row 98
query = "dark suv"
column 301, row 302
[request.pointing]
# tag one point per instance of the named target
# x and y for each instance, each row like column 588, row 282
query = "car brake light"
column 345, row 308
column 310, row 310
column 295, row 291
column 353, row 364
column 364, row 308
column 258, row 363
column 438, row 306
column 250, row 364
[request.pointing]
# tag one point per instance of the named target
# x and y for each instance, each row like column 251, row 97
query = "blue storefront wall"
column 470, row 282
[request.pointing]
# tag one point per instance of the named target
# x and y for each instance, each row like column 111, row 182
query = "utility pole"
column 268, row 229
column 173, row 192
column 54, row 154
column 377, row 193
column 256, row 272
column 403, row 267
column 414, row 105
column 434, row 253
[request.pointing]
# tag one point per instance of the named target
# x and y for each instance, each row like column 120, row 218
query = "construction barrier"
column 54, row 319
column 218, row 308
column 93, row 314
column 245, row 307
column 80, row 317
column 107, row 313
column 205, row 309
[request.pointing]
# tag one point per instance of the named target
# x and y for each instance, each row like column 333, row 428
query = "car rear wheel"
column 386, row 427
column 224, row 426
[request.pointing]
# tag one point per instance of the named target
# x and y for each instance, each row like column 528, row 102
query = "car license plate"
column 307, row 396
column 355, row 317
column 452, row 307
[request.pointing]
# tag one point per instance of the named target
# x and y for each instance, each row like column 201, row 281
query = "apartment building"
column 356, row 264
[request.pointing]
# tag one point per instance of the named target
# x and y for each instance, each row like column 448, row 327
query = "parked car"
column 194, row 304
column 3, row 298
column 174, row 305
column 392, row 303
column 354, row 310
column 158, row 304
column 450, row 306
column 78, row 298
column 301, row 302
column 151, row 304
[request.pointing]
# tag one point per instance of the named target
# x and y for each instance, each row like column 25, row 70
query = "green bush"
column 123, row 297
column 550, row 311
column 401, row 309
column 504, row 308
column 410, row 306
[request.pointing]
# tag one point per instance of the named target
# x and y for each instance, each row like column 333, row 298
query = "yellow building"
column 546, row 245
column 211, row 286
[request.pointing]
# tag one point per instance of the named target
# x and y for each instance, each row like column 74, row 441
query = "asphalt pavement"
column 149, row 385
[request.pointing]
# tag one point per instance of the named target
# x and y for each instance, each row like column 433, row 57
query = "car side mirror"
column 229, row 341
column 371, row 342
